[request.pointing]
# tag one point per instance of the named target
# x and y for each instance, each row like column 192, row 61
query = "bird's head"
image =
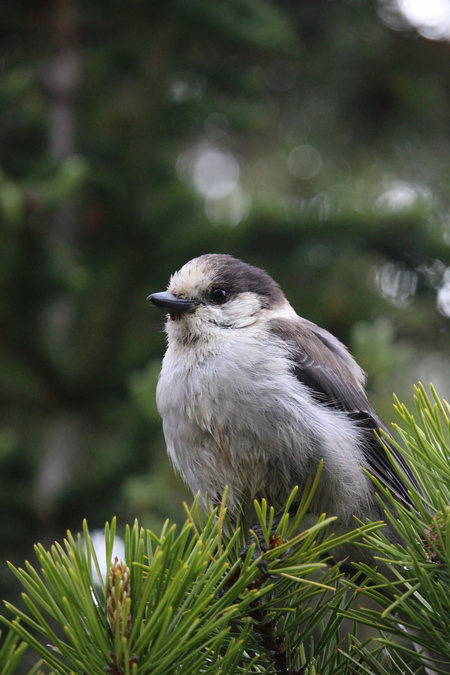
column 215, row 293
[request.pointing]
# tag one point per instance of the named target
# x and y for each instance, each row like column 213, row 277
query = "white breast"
column 240, row 418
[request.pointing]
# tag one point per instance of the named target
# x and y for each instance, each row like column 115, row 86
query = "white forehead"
column 194, row 275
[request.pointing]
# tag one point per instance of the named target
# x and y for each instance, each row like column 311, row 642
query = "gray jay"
column 253, row 396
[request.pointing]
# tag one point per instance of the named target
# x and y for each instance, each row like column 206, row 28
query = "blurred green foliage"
column 135, row 136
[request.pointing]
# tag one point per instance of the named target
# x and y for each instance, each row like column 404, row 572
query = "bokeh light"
column 304, row 162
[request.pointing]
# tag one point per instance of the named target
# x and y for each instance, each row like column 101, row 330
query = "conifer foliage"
column 186, row 601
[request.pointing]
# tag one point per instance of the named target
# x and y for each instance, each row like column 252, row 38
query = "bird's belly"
column 231, row 428
column 250, row 425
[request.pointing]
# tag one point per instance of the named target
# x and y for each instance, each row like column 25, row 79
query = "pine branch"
column 184, row 601
column 416, row 595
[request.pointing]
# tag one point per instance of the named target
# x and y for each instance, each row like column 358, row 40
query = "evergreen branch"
column 184, row 600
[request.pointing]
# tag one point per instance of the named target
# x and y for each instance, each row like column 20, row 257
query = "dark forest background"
column 308, row 137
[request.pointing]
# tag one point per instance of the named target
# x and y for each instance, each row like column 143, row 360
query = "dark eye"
column 218, row 296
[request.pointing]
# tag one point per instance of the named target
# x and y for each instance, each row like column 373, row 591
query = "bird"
column 254, row 397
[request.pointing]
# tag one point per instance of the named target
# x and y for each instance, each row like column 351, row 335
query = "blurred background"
column 308, row 137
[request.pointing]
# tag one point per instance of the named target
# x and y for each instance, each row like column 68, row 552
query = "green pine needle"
column 184, row 601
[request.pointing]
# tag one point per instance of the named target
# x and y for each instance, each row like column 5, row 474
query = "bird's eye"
column 218, row 296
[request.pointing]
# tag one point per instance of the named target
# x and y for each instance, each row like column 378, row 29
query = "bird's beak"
column 171, row 303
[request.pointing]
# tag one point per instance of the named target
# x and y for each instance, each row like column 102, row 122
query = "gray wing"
column 326, row 367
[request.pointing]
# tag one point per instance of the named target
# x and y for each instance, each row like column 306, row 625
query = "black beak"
column 171, row 303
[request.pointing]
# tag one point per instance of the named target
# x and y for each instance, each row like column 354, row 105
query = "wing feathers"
column 325, row 366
